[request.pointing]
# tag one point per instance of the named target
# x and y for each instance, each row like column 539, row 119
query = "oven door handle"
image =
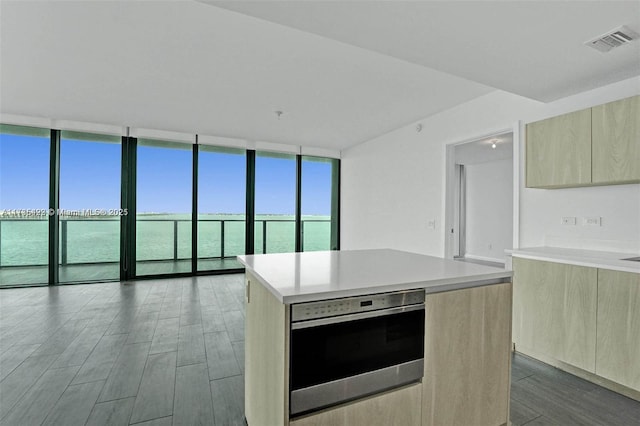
column 352, row 317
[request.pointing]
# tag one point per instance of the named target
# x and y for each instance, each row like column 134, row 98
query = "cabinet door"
column 400, row 407
column 559, row 151
column 467, row 357
column 554, row 311
column 535, row 291
column 618, row 346
column 616, row 141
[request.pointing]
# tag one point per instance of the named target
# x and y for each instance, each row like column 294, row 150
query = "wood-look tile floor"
column 148, row 353
column 543, row 395
column 171, row 352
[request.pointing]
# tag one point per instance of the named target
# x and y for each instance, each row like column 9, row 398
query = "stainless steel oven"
column 347, row 348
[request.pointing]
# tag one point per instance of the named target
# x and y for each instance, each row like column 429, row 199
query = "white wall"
column 489, row 212
column 394, row 184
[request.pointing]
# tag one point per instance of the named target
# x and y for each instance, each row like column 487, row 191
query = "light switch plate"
column 568, row 220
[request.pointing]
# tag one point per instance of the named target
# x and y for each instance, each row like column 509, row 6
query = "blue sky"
column 90, row 179
column 24, row 172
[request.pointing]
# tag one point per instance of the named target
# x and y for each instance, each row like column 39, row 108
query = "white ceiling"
column 370, row 67
column 531, row 48
column 186, row 66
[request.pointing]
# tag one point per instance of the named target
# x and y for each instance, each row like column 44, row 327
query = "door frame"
column 452, row 232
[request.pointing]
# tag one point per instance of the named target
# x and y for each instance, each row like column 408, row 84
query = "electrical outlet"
column 568, row 220
column 592, row 221
column 431, row 224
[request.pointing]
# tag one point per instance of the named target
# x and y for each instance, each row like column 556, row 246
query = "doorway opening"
column 480, row 199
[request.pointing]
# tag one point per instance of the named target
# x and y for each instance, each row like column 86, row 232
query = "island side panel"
column 266, row 357
column 468, row 356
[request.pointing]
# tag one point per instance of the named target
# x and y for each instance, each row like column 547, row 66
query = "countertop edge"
column 262, row 281
column 266, row 284
column 430, row 287
column 573, row 260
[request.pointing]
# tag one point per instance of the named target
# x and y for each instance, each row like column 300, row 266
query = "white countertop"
column 311, row 276
column 591, row 258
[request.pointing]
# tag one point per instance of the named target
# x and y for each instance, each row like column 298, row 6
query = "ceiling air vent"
column 612, row 39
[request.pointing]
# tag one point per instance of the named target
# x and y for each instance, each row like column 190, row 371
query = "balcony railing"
column 175, row 236
column 174, row 224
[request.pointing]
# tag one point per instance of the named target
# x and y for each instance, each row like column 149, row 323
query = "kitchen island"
column 465, row 328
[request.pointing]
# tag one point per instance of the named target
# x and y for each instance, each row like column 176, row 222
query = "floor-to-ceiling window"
column 221, row 207
column 318, row 203
column 24, row 204
column 188, row 208
column 89, row 215
column 275, row 203
column 163, row 207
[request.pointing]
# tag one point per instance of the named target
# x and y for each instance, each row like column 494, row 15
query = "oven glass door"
column 335, row 351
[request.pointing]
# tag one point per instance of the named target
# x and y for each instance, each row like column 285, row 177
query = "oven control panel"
column 351, row 305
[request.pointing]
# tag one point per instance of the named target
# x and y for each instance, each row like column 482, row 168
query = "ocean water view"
column 23, row 242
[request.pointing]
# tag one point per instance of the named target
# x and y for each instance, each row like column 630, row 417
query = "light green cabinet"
column 616, row 141
column 467, row 352
column 554, row 311
column 618, row 344
column 594, row 146
column 559, row 151
column 575, row 316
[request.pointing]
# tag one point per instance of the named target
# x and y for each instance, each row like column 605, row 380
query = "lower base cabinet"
column 618, row 337
column 580, row 319
column 554, row 311
column 467, row 357
column 399, row 407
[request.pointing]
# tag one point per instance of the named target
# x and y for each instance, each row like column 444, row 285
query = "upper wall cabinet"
column 559, row 151
column 616, row 141
column 595, row 146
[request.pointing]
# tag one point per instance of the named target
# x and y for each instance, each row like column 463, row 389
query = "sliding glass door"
column 163, row 207
column 221, row 207
column 89, row 215
column 319, row 198
column 275, row 203
column 24, row 204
